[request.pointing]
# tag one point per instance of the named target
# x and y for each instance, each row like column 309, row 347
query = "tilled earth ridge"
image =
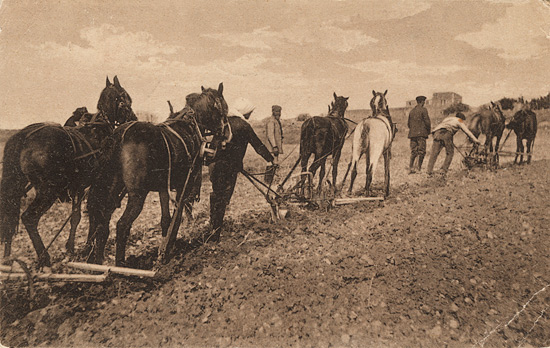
column 456, row 262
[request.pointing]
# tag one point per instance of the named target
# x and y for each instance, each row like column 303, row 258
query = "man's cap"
column 276, row 108
column 420, row 99
column 460, row 115
column 241, row 106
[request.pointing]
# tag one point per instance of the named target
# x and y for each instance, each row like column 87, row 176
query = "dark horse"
column 147, row 157
column 323, row 137
column 59, row 162
column 524, row 124
column 491, row 123
column 373, row 137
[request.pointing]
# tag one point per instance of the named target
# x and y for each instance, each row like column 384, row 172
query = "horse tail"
column 12, row 186
column 360, row 142
column 306, row 139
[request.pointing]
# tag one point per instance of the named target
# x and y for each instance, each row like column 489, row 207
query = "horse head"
column 210, row 110
column 380, row 106
column 517, row 120
column 115, row 103
column 497, row 111
column 338, row 107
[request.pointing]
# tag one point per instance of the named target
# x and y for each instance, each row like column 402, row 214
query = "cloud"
column 325, row 34
column 328, row 36
column 259, row 38
column 108, row 45
column 517, row 35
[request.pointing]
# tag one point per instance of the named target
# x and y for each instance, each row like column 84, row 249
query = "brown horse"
column 323, row 137
column 59, row 162
column 524, row 124
column 489, row 122
column 144, row 157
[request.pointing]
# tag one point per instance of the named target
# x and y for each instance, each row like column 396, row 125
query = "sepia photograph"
column 275, row 173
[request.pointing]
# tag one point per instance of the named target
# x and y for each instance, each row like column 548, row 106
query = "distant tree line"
column 457, row 107
column 534, row 104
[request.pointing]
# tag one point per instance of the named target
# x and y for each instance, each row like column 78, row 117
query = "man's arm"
column 468, row 132
column 270, row 130
column 427, row 121
column 257, row 144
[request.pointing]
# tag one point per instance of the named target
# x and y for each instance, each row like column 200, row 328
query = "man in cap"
column 229, row 162
column 274, row 136
column 76, row 118
column 419, row 129
column 443, row 137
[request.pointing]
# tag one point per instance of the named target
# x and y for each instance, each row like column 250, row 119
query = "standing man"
column 443, row 137
column 229, row 162
column 274, row 136
column 419, row 129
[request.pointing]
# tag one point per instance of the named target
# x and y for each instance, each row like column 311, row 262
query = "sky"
column 56, row 55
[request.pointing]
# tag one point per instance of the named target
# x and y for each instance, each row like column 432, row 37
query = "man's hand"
column 275, row 151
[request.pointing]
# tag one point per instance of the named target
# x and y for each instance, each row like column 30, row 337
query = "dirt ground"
column 456, row 262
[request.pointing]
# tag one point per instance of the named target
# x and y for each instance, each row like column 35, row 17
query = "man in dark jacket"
column 229, row 162
column 419, row 129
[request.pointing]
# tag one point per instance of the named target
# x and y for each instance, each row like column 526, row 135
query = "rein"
column 166, row 126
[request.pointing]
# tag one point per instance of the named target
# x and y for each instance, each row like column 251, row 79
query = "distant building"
column 440, row 99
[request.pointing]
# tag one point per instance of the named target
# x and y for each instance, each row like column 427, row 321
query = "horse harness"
column 389, row 125
column 76, row 138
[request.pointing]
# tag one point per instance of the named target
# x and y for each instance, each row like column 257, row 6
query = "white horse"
column 373, row 137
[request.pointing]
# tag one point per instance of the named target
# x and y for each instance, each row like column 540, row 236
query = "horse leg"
column 304, row 159
column 353, row 175
column 521, row 149
column 369, row 172
column 497, row 146
column 519, row 144
column 165, row 219
column 322, row 173
column 387, row 157
column 132, row 211
column 313, row 168
column 10, row 205
column 75, row 220
column 31, row 217
column 335, row 161
column 529, row 146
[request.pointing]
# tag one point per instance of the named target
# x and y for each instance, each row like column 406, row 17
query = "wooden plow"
column 297, row 189
column 19, row 271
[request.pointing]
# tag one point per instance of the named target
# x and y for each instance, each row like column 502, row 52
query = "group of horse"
column 325, row 136
column 115, row 155
column 491, row 122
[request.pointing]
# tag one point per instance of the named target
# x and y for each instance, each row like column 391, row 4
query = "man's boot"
column 420, row 160
column 411, row 164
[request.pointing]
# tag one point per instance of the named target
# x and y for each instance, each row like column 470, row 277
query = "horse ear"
column 117, row 84
column 107, row 83
column 328, row 108
column 202, row 89
column 493, row 104
column 220, row 88
column 373, row 93
column 386, row 92
column 334, row 94
column 346, row 99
